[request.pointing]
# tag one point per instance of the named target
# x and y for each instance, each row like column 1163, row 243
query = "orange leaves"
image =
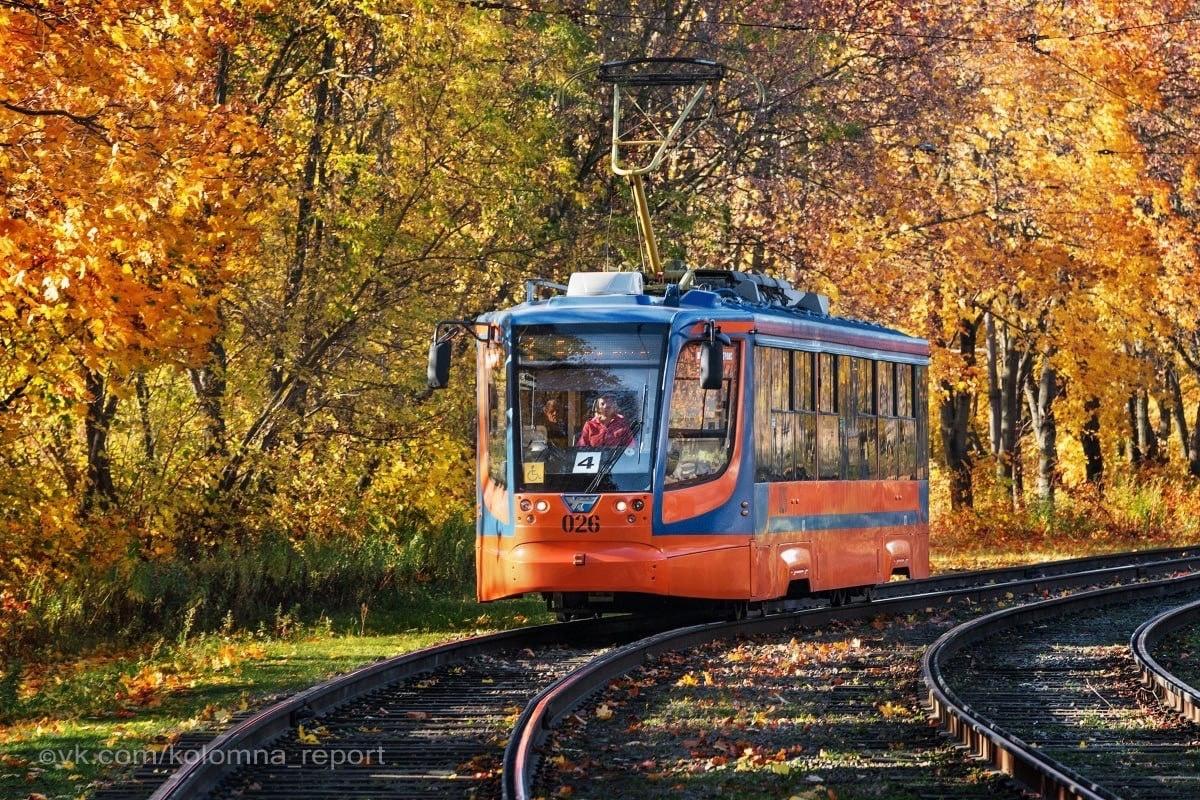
column 94, row 145
column 230, row 654
column 891, row 710
column 147, row 686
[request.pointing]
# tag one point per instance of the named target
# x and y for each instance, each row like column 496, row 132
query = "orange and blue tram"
column 727, row 442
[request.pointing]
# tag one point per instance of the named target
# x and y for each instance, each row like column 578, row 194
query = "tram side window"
column 701, row 427
column 847, row 423
column 921, row 412
column 830, row 417
column 781, row 379
column 885, row 425
column 782, row 436
column 764, row 440
column 826, row 383
column 829, row 451
column 804, row 383
column 497, row 412
column 905, row 410
column 884, row 377
column 868, row 432
column 904, row 387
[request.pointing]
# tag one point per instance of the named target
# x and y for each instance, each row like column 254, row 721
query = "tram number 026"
column 581, row 523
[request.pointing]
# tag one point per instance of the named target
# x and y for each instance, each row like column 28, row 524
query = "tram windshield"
column 587, row 397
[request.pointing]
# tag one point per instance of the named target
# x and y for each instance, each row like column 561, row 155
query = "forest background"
column 228, row 228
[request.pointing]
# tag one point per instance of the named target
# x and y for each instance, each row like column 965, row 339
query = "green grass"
column 128, row 701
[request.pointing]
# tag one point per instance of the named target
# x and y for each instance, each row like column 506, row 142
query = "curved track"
column 419, row 706
column 522, row 756
column 1048, row 694
column 439, row 714
column 1175, row 693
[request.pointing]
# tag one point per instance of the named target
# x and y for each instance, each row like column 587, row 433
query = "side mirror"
column 712, row 359
column 439, row 365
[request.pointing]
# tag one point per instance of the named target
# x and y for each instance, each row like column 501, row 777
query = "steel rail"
column 521, row 757
column 1045, row 776
column 1171, row 691
column 201, row 775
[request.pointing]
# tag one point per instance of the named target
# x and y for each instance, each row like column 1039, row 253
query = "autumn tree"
column 122, row 182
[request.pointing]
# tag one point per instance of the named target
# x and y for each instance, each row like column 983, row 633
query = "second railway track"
column 1173, row 675
column 1050, row 693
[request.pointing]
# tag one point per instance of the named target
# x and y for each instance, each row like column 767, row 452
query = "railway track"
column 1172, row 690
column 523, row 755
column 1049, row 693
column 422, row 724
column 433, row 722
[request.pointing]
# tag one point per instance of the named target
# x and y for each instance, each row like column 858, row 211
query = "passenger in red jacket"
column 608, row 428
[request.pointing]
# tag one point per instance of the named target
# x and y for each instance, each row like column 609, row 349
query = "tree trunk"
column 143, row 398
column 994, row 412
column 1041, row 412
column 1089, row 439
column 1010, row 408
column 208, row 380
column 1193, row 449
column 307, row 227
column 955, row 416
column 1147, row 439
column 1163, row 433
column 1135, row 447
column 1179, row 414
column 208, row 384
column 1024, row 368
column 99, row 492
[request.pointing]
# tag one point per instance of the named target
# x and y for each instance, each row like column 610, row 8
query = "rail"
column 1045, row 776
column 1170, row 690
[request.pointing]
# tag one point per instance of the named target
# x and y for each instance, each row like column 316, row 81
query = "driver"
column 607, row 427
column 552, row 419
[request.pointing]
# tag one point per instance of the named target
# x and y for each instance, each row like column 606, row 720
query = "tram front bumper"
column 697, row 569
column 594, row 567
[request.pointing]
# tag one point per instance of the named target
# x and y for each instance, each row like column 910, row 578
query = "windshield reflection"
column 584, row 396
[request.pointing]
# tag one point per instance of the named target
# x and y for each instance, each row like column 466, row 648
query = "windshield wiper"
column 605, row 469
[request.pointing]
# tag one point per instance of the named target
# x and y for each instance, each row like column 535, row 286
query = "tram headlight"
column 622, row 506
column 541, row 506
column 638, row 504
column 526, row 505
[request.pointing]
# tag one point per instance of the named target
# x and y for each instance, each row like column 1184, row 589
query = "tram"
column 723, row 441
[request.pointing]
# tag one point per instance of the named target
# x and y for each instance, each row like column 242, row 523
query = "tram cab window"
column 700, row 425
column 586, row 401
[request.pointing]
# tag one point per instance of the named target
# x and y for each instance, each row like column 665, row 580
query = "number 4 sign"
column 587, row 462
